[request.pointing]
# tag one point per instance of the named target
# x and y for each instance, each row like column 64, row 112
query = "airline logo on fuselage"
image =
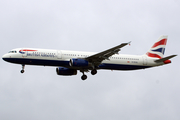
column 24, row 50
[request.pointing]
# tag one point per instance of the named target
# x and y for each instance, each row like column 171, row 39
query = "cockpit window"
column 12, row 52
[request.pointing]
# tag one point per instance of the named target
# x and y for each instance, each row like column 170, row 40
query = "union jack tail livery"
column 158, row 49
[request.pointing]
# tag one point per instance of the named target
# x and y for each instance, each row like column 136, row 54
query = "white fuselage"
column 46, row 57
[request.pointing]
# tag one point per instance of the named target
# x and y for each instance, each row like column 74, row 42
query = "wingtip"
column 129, row 43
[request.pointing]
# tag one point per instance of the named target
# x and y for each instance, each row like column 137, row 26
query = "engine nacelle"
column 65, row 71
column 78, row 63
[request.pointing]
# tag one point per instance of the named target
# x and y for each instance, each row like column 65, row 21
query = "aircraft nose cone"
column 8, row 58
column 4, row 57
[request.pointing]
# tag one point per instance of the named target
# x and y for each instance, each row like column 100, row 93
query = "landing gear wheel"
column 93, row 72
column 84, row 77
column 23, row 65
column 22, row 71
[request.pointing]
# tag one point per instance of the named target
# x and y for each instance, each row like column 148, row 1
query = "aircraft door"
column 144, row 60
column 59, row 54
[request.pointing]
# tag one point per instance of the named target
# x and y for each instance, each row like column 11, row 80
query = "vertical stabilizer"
column 158, row 49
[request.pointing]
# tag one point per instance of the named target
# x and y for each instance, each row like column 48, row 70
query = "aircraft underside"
column 58, row 63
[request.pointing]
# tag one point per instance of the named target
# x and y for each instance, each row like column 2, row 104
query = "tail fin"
column 158, row 49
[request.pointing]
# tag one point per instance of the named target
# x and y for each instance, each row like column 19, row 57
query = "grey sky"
column 89, row 26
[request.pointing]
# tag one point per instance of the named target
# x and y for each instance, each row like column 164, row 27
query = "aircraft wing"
column 96, row 59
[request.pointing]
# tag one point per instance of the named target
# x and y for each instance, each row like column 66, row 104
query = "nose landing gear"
column 22, row 71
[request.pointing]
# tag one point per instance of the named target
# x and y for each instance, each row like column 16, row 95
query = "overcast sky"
column 89, row 25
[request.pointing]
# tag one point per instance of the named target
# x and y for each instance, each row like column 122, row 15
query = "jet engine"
column 78, row 63
column 65, row 71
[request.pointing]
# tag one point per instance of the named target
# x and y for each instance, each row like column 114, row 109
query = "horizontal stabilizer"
column 164, row 59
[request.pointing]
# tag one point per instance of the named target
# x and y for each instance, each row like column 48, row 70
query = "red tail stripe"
column 162, row 42
column 153, row 55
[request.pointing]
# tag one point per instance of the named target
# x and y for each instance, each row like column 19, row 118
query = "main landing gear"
column 84, row 77
column 22, row 71
column 94, row 71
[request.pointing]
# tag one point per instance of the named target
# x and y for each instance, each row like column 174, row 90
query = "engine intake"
column 65, row 71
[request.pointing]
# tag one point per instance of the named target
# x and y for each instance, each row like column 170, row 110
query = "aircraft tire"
column 22, row 71
column 93, row 72
column 84, row 77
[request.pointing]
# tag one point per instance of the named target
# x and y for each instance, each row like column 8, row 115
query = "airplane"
column 69, row 62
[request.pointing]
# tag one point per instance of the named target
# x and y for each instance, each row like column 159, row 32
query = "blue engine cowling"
column 65, row 71
column 78, row 63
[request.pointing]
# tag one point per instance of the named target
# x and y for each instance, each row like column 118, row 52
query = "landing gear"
column 22, row 71
column 84, row 77
column 94, row 71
